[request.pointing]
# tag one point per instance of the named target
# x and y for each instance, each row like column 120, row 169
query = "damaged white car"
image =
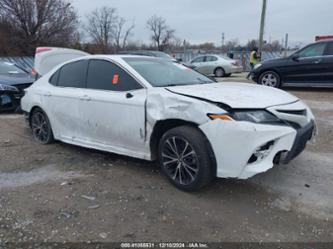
column 154, row 109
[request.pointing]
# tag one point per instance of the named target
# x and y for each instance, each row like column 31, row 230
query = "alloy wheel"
column 269, row 79
column 180, row 160
column 40, row 127
column 219, row 72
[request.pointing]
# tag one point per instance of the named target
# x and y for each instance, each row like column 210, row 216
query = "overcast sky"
column 200, row 21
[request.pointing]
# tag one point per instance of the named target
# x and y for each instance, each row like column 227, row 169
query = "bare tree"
column 122, row 34
column 161, row 33
column 40, row 22
column 101, row 26
column 231, row 45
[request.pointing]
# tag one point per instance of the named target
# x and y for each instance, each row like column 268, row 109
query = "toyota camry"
column 154, row 109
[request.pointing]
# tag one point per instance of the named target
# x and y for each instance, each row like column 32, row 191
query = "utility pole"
column 286, row 45
column 262, row 25
column 223, row 38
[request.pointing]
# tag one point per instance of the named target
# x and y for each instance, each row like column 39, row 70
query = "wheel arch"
column 162, row 126
column 219, row 67
column 33, row 108
column 270, row 70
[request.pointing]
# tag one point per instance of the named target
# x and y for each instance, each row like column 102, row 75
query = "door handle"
column 48, row 94
column 85, row 98
column 318, row 61
column 129, row 95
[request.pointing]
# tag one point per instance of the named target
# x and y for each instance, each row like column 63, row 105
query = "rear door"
column 64, row 101
column 114, row 108
column 306, row 67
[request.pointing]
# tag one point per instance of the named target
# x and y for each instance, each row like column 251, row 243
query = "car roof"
column 151, row 53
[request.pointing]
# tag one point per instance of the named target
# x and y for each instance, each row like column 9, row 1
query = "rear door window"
column 211, row 58
column 329, row 49
column 105, row 75
column 73, row 74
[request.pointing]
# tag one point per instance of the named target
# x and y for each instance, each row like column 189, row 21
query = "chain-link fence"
column 242, row 56
column 26, row 62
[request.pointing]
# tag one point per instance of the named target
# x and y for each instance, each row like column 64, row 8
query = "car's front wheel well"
column 162, row 126
column 267, row 71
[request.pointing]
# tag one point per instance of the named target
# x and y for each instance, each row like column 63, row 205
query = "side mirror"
column 295, row 57
column 180, row 60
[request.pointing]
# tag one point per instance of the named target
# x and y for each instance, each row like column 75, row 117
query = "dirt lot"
column 66, row 193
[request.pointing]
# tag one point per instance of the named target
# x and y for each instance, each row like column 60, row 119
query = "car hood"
column 237, row 95
column 275, row 61
column 10, row 79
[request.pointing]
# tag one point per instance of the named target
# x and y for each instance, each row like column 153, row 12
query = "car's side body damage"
column 131, row 123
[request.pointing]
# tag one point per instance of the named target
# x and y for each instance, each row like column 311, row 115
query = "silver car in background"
column 217, row 65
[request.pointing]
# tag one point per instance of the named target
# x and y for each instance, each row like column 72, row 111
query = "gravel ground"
column 63, row 193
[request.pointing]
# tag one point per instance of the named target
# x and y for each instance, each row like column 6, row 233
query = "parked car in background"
column 311, row 66
column 13, row 81
column 150, row 53
column 154, row 109
column 217, row 65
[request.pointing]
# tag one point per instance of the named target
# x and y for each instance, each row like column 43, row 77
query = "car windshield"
column 9, row 68
column 162, row 73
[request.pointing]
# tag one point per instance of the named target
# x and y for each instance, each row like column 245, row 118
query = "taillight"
column 33, row 72
column 235, row 63
column 42, row 49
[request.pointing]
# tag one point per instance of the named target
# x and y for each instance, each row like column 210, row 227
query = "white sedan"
column 217, row 65
column 154, row 109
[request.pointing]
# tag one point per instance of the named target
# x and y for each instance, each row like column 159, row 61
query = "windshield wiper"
column 204, row 81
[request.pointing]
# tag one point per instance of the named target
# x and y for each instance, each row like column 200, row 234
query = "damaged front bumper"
column 244, row 149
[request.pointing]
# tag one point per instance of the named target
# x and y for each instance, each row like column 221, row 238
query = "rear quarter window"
column 54, row 78
column 329, row 49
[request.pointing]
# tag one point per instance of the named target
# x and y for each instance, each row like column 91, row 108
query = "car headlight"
column 256, row 116
column 257, row 66
column 4, row 87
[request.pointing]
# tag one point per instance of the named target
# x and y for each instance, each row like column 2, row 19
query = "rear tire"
column 219, row 72
column 270, row 78
column 185, row 158
column 41, row 127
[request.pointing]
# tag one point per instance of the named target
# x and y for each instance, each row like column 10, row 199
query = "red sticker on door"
column 115, row 79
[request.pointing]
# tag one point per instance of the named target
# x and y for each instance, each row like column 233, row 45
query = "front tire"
column 270, row 78
column 184, row 157
column 41, row 127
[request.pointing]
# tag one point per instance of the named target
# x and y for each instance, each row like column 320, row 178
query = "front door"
column 114, row 109
column 306, row 66
column 328, row 64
